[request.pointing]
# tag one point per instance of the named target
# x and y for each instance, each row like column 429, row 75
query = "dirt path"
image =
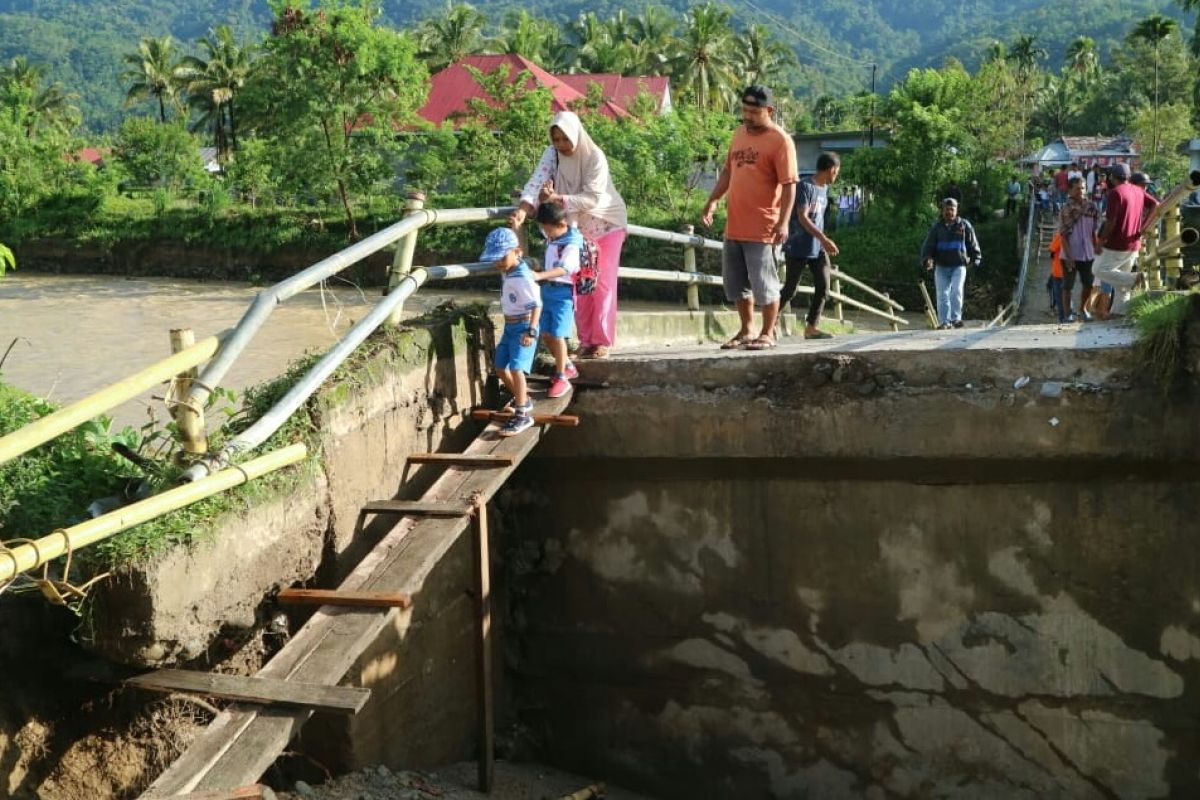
column 1035, row 303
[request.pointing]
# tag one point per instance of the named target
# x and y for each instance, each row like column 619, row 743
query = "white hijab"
column 584, row 174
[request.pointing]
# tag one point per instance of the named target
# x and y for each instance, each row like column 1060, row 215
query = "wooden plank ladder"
column 240, row 744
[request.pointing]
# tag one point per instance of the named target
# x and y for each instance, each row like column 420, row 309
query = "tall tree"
column 655, row 40
column 1083, row 60
column 45, row 105
column 151, row 72
column 213, row 82
column 1025, row 54
column 452, row 36
column 706, row 67
column 763, row 57
column 36, row 123
column 1153, row 30
column 335, row 87
column 535, row 38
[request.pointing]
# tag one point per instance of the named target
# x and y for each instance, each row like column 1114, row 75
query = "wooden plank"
column 483, row 652
column 254, row 689
column 185, row 773
column 243, row 743
column 337, row 597
column 487, row 415
column 462, row 459
column 255, row 792
column 418, row 508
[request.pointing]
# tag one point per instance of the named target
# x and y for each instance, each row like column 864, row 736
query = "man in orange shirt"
column 760, row 177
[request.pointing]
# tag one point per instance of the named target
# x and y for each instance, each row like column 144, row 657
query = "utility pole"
column 871, row 136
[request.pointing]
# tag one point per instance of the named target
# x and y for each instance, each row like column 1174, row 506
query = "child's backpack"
column 589, row 267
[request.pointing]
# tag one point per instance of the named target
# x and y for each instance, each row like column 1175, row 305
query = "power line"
column 784, row 24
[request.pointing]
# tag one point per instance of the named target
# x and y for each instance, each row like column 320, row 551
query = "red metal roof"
column 621, row 90
column 93, row 155
column 451, row 88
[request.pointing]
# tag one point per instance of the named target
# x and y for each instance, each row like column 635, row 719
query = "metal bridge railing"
column 1008, row 313
column 225, row 349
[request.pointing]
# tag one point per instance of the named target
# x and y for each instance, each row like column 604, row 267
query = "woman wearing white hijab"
column 574, row 172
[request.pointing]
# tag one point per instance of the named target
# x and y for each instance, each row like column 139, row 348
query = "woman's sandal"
column 761, row 343
column 736, row 343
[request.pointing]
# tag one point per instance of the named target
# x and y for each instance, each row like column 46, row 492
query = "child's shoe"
column 570, row 373
column 516, row 423
column 559, row 386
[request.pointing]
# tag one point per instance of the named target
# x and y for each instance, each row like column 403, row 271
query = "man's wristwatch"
column 531, row 331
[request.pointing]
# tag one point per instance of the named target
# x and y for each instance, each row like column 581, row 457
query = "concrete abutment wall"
column 886, row 575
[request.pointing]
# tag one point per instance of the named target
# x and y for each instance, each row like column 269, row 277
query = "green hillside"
column 81, row 41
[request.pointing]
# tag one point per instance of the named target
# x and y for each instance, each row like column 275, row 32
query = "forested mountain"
column 81, row 42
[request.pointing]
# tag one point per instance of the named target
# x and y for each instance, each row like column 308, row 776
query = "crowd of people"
column 1099, row 220
column 583, row 220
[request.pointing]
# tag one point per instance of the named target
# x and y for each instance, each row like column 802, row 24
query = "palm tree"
column 45, row 106
column 706, row 66
column 1153, row 30
column 827, row 112
column 214, row 81
column 996, row 51
column 151, row 73
column 526, row 35
column 655, row 40
column 1056, row 103
column 1024, row 54
column 1083, row 59
column 762, row 56
column 587, row 33
column 452, row 36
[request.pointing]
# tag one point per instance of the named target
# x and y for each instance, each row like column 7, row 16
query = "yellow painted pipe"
column 1168, row 203
column 43, row 430
column 24, row 557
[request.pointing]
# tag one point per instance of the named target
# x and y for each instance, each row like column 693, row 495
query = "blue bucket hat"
column 497, row 243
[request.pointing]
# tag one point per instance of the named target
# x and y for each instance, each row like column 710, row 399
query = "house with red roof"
column 90, row 155
column 452, row 88
column 622, row 90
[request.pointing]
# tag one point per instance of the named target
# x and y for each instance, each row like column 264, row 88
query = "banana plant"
column 7, row 260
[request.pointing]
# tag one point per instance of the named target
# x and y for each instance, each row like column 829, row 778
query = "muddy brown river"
column 76, row 334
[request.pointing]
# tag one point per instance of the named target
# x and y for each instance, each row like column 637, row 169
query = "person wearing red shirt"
column 1126, row 205
column 1062, row 182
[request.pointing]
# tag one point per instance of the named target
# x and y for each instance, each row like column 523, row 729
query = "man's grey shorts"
column 748, row 270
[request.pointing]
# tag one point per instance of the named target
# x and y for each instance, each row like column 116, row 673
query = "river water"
column 76, row 334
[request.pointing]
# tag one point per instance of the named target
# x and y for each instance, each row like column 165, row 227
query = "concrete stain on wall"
column 677, row 535
column 941, row 650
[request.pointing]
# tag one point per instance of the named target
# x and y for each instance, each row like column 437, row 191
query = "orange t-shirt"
column 759, row 166
column 1056, row 269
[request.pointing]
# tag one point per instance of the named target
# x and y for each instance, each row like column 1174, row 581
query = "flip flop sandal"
column 818, row 335
column 761, row 343
column 736, row 343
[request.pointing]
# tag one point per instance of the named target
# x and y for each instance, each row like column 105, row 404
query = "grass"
column 887, row 257
column 1160, row 318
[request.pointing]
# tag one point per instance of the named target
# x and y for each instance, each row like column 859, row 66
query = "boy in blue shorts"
column 563, row 245
column 521, row 304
